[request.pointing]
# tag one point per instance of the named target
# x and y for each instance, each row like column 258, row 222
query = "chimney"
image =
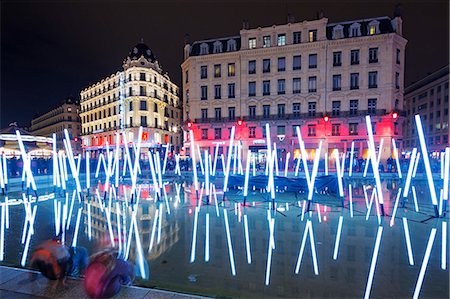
column 245, row 24
column 290, row 18
column 320, row 14
column 187, row 39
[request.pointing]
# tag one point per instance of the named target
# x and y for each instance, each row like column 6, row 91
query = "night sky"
column 54, row 49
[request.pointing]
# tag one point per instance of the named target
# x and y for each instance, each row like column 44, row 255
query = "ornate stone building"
column 324, row 77
column 140, row 95
column 64, row 116
column 429, row 98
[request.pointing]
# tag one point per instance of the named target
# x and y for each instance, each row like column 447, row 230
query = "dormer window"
column 373, row 27
column 231, row 45
column 217, row 47
column 354, row 30
column 338, row 32
column 204, row 49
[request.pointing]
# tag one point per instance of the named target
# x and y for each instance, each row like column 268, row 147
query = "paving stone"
column 7, row 274
column 16, row 295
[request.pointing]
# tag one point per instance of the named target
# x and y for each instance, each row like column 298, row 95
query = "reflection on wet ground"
column 226, row 249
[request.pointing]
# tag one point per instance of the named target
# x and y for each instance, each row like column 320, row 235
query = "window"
column 337, row 58
column 373, row 78
column 372, row 106
column 374, row 128
column 144, row 121
column 266, row 65
column 281, row 64
column 204, row 133
column 231, row 113
column 231, row 90
column 142, row 77
column 217, row 71
column 281, row 86
column 155, row 107
column 354, row 81
column 130, row 107
column 142, row 91
column 252, row 67
column 281, row 39
column 143, row 105
column 336, row 82
column 397, row 80
column 203, row 72
column 281, row 110
column 296, row 85
column 312, row 61
column 354, row 57
column 251, row 112
column 231, row 69
column 297, row 37
column 296, row 109
column 353, row 128
column 218, row 113
column 217, row 47
column 251, row 89
column 231, row 45
column 130, row 91
column 204, row 49
column 373, row 55
column 252, row 43
column 312, row 84
column 312, row 108
column 131, row 123
column 397, row 56
column 266, row 88
column 312, row 37
column 266, row 111
column 373, row 27
column 353, row 107
column 186, row 76
column 251, row 132
column 266, row 41
column 281, row 130
column 204, row 114
column 336, row 129
column 336, row 108
column 297, row 62
column 217, row 133
column 204, row 93
column 354, row 30
column 217, row 92
column 338, row 32
column 311, row 130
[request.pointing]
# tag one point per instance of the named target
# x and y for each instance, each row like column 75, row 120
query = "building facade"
column 139, row 95
column 428, row 97
column 65, row 116
column 324, row 77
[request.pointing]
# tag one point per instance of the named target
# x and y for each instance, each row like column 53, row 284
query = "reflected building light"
column 394, row 212
column 444, row 246
column 350, row 195
column 207, row 238
column 194, row 235
column 416, row 206
column 408, row 241
column 77, row 226
column 338, row 238
column 230, row 246
column 373, row 263
column 247, row 240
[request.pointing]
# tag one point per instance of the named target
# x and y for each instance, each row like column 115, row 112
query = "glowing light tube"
column 5, row 171
column 200, row 159
column 207, row 172
column 288, row 156
column 444, row 246
column 160, row 225
column 230, row 246
column 194, row 235
column 417, row 164
column 423, row 268
column 229, row 154
column 254, row 164
column 374, row 161
column 247, row 170
column 207, row 238
column 69, row 217
column 408, row 241
column 2, row 182
column 269, row 263
column 111, row 234
column 374, row 262
column 426, row 160
column 416, row 206
column 370, row 204
column 152, row 238
column 312, row 242
column 351, row 158
column 269, row 147
column 350, row 195
column 89, row 221
column 326, row 162
column 26, row 161
column 409, row 174
column 165, row 158
column 303, row 154
column 77, row 226
column 194, row 163
column 338, row 238
column 396, row 158
column 366, row 167
column 446, row 172
column 314, row 171
column 247, row 240
column 119, row 234
column 394, row 212
column 7, row 212
column 338, row 170
column 297, row 166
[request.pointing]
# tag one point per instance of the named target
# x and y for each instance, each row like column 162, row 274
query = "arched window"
column 338, row 32
column 217, row 47
column 373, row 27
column 231, row 45
column 354, row 30
column 204, row 49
